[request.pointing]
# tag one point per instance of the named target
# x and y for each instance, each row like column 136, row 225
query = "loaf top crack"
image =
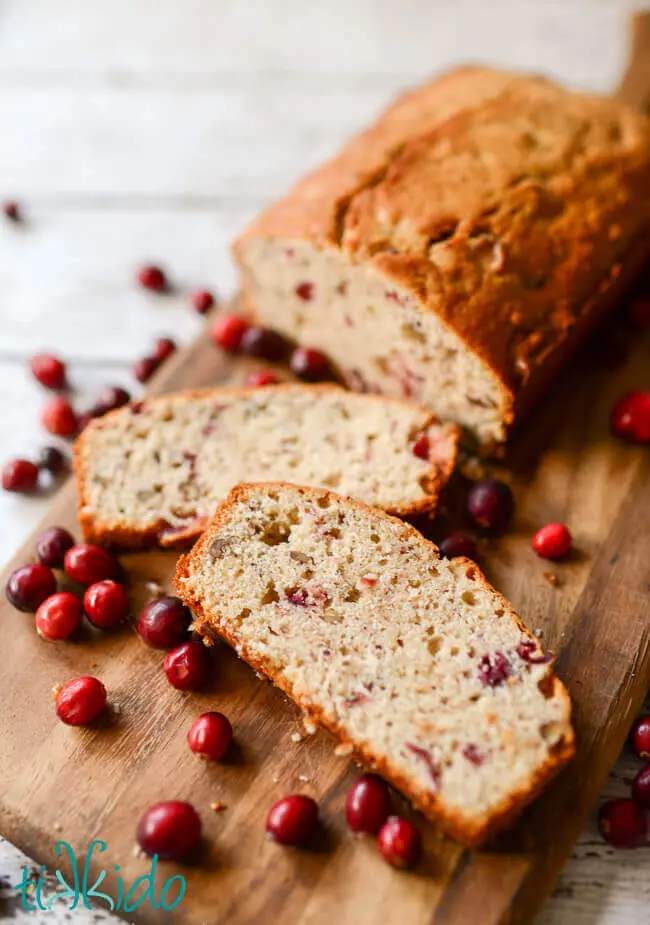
column 155, row 470
column 412, row 659
column 500, row 204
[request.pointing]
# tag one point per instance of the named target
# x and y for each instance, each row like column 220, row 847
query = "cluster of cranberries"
column 623, row 823
column 59, row 614
column 235, row 335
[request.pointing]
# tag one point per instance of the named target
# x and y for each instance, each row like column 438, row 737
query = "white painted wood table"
column 137, row 130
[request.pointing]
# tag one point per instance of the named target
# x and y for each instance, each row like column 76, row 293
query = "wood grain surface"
column 83, row 784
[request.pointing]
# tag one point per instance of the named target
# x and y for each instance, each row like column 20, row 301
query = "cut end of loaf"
column 380, row 337
column 155, row 471
column 413, row 660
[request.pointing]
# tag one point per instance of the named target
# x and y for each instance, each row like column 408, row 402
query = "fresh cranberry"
column 641, row 737
column 210, row 736
column 630, row 419
column 11, row 210
column 265, row 344
column 459, row 543
column 305, row 291
column 59, row 616
column 641, row 788
column 368, row 804
column 85, row 418
column 153, row 278
column 490, row 504
column 144, row 368
column 292, row 820
column 52, row 460
column 261, row 377
column 110, row 398
column 170, row 830
column 49, row 371
column 552, row 541
column 106, row 604
column 638, row 311
column 89, row 564
column 29, row 585
column 20, row 475
column 202, row 301
column 80, row 702
column 163, row 348
column 164, row 623
column 622, row 823
column 186, row 666
column 421, row 447
column 60, row 418
column 227, row 332
column 309, row 364
column 494, row 669
column 52, row 545
column 399, row 842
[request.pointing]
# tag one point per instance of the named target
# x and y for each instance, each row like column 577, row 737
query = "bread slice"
column 459, row 250
column 412, row 659
column 155, row 471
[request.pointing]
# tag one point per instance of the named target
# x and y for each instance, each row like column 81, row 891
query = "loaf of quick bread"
column 413, row 660
column 155, row 471
column 459, row 250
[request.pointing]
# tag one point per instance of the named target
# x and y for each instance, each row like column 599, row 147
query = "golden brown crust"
column 498, row 202
column 121, row 536
column 466, row 830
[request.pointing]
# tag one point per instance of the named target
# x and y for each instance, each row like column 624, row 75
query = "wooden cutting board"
column 58, row 783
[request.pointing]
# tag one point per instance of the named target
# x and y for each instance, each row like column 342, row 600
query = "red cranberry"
column 59, row 616
column 144, row 369
column 20, row 475
column 309, row 364
column 153, row 278
column 552, row 541
column 202, row 300
column 399, row 842
column 164, row 623
column 490, row 504
column 60, row 418
column 29, row 585
column 421, row 447
column 210, row 736
column 494, row 669
column 261, row 377
column 11, row 211
column 292, row 819
column 368, row 804
column 622, row 823
column 641, row 788
column 80, row 702
column 641, row 737
column 89, row 564
column 52, row 460
column 186, row 666
column 227, row 332
column 305, row 291
column 459, row 543
column 49, row 371
column 630, row 419
column 638, row 311
column 52, row 545
column 164, row 347
column 110, row 398
column 265, row 344
column 171, row 830
column 106, row 604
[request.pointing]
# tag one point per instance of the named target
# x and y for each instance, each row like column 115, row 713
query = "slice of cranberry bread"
column 459, row 250
column 412, row 659
column 155, row 471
